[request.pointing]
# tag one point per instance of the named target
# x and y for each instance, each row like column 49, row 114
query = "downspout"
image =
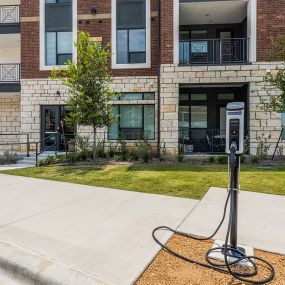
column 158, row 75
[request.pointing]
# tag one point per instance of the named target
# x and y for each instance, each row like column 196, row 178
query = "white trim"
column 251, row 28
column 43, row 66
column 176, row 32
column 115, row 65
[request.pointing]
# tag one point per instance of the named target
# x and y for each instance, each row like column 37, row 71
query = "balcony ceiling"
column 10, row 40
column 212, row 12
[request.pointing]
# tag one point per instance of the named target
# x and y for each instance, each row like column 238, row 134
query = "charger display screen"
column 234, row 131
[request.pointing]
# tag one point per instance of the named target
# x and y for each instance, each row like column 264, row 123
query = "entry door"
column 50, row 123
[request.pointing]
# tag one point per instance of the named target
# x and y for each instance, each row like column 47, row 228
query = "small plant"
column 10, row 157
column 118, row 157
column 112, row 150
column 83, row 143
column 72, row 157
column 162, row 152
column 212, row 159
column 132, row 156
column 280, row 152
column 247, row 145
column 122, row 148
column 263, row 146
column 222, row 159
column 100, row 150
column 181, row 153
column 243, row 158
column 143, row 150
column 255, row 159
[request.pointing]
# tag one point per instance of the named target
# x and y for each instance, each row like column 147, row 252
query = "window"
column 199, row 117
column 131, row 31
column 58, row 32
column 136, row 96
column 226, row 96
column 134, row 122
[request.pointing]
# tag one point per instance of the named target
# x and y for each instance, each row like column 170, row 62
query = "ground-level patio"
column 105, row 234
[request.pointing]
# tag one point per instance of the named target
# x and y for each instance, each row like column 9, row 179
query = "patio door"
column 225, row 50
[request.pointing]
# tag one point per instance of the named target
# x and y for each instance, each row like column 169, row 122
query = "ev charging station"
column 226, row 255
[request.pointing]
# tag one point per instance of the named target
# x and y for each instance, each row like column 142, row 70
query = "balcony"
column 214, row 51
column 10, row 77
column 215, row 32
column 9, row 19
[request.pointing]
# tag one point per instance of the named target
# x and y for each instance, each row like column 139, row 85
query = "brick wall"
column 270, row 25
column 97, row 26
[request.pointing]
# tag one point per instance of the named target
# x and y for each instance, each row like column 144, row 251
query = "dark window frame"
column 142, row 129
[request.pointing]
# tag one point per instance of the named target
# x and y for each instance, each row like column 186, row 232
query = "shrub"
column 212, row 159
column 83, row 143
column 162, row 153
column 263, row 146
column 255, row 159
column 143, row 150
column 243, row 158
column 100, row 150
column 118, row 157
column 132, row 156
column 122, row 148
column 9, row 157
column 72, row 157
column 222, row 159
column 112, row 150
column 181, row 153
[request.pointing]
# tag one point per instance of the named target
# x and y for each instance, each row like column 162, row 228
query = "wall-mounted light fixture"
column 57, row 93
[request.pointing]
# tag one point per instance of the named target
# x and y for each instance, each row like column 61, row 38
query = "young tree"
column 88, row 82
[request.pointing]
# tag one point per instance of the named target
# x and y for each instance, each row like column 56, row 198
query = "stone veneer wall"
column 259, row 122
column 10, row 120
column 37, row 92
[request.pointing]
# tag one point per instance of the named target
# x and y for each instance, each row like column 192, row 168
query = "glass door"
column 55, row 133
column 225, row 48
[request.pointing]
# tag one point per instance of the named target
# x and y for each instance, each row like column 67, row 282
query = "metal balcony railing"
column 9, row 14
column 10, row 73
column 214, row 51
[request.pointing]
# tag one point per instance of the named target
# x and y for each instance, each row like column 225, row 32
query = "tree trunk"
column 94, row 144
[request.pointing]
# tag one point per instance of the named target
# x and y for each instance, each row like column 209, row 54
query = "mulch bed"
column 169, row 270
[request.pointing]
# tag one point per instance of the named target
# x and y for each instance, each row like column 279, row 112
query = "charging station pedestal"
column 234, row 148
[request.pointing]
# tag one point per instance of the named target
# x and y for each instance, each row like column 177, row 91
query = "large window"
column 134, row 122
column 131, row 33
column 58, row 32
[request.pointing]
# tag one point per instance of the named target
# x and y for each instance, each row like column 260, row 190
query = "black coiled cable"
column 225, row 267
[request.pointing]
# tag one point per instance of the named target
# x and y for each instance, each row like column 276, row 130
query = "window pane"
column 64, row 43
column 131, row 14
column 183, row 117
column 131, row 116
column 138, row 57
column 114, row 129
column 63, row 58
column 183, row 97
column 198, row 97
column 58, row 17
column 184, row 35
column 132, row 96
column 149, row 96
column 136, row 40
column 229, row 96
column 199, row 47
column 149, row 121
column 199, row 117
column 50, row 48
column 122, row 47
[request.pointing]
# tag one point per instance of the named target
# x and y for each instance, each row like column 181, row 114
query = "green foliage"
column 181, row 153
column 162, row 152
column 100, row 150
column 122, row 148
column 88, row 82
column 143, row 150
column 212, row 159
column 280, row 152
column 243, row 158
column 83, row 143
column 255, row 159
column 112, row 150
column 222, row 159
column 132, row 156
column 9, row 158
column 274, row 102
column 263, row 146
column 277, row 52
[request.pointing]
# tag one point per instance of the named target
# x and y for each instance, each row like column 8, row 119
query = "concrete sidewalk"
column 50, row 229
column 261, row 219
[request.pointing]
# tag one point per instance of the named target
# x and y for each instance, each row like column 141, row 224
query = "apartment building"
column 176, row 62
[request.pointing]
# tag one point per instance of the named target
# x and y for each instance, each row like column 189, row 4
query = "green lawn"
column 180, row 180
